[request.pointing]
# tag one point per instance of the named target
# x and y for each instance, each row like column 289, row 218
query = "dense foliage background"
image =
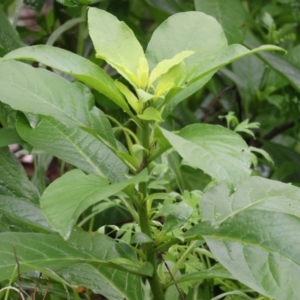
column 256, row 96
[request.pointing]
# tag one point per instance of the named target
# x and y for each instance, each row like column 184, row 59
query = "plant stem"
column 154, row 281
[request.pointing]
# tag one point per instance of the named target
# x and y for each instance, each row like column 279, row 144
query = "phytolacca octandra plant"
column 60, row 118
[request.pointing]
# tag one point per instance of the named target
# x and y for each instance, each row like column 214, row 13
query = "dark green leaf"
column 73, row 145
column 217, row 151
column 73, row 193
column 9, row 37
column 229, row 13
column 253, row 233
column 13, row 179
column 9, row 136
column 74, row 65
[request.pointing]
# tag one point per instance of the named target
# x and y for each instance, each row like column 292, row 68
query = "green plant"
column 181, row 244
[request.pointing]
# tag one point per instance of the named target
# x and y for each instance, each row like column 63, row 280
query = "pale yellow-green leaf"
column 167, row 80
column 165, row 65
column 151, row 114
column 131, row 98
column 143, row 95
column 143, row 72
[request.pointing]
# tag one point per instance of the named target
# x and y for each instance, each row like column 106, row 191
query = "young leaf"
column 217, row 151
column 74, row 65
column 73, row 145
column 13, row 179
column 252, row 233
column 176, row 215
column 151, row 114
column 165, row 65
column 200, row 73
column 115, row 42
column 73, row 193
column 131, row 98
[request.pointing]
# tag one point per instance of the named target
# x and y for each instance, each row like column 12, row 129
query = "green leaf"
column 199, row 74
column 112, row 284
column 253, row 234
column 176, row 215
column 165, row 65
column 207, row 274
column 13, row 179
column 74, row 65
column 217, row 151
column 63, row 28
column 151, row 114
column 290, row 72
column 43, row 92
column 230, row 14
column 130, row 96
column 115, row 42
column 25, row 212
column 286, row 162
column 74, row 146
column 49, row 251
column 189, row 31
column 73, row 193
column 9, row 136
column 9, row 37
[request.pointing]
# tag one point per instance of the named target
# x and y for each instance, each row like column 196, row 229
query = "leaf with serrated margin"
column 73, row 145
column 13, row 179
column 216, row 150
column 72, row 64
column 254, row 234
column 73, row 193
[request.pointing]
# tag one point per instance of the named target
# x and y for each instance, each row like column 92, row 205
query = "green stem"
column 183, row 258
column 154, row 281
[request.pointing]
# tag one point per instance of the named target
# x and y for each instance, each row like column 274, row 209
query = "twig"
column 36, row 286
column 215, row 102
column 47, row 289
column 18, row 268
column 177, row 287
column 279, row 129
